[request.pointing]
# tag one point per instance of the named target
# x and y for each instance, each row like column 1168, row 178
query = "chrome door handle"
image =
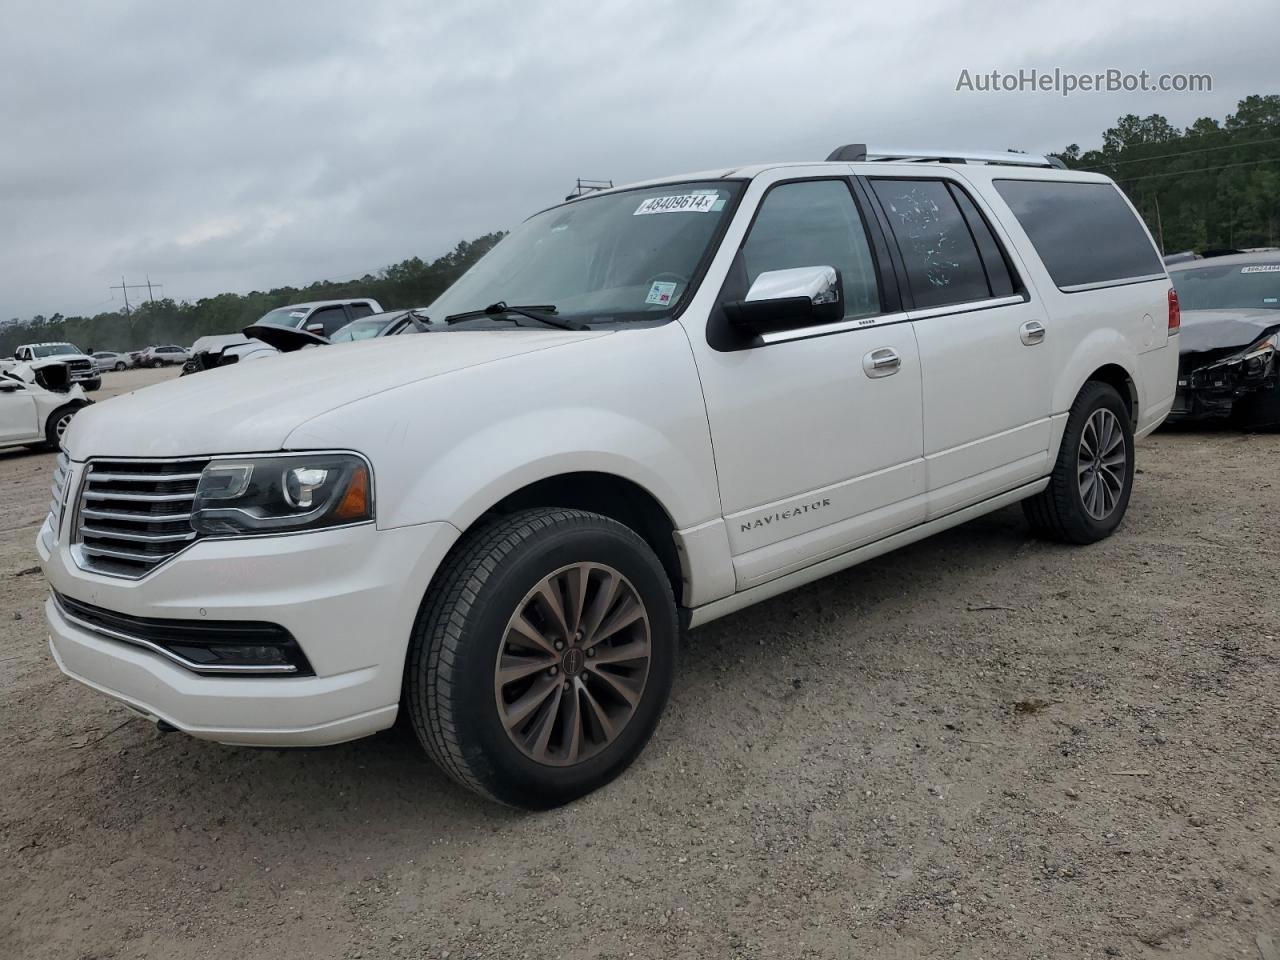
column 881, row 363
column 1031, row 333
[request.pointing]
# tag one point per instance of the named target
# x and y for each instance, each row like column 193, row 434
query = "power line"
column 1184, row 173
column 1182, row 153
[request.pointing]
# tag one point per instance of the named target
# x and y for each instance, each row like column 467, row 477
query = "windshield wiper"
column 543, row 313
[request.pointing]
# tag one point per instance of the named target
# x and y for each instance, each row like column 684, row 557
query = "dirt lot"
column 982, row 746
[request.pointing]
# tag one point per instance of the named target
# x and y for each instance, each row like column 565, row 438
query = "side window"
column 1084, row 232
column 941, row 259
column 331, row 318
column 359, row 310
column 814, row 223
column 999, row 273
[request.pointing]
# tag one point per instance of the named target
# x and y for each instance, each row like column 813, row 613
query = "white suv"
column 647, row 407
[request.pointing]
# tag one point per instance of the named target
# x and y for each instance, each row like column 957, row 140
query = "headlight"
column 283, row 494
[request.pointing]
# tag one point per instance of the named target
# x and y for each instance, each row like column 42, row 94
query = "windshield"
column 1251, row 286
column 284, row 317
column 617, row 256
column 365, row 329
column 54, row 350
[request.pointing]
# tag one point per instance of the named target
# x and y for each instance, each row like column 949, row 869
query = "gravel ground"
column 981, row 746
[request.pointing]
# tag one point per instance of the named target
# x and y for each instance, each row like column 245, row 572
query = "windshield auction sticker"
column 660, row 293
column 681, row 203
column 1262, row 268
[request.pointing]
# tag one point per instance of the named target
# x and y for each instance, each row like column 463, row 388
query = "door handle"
column 881, row 363
column 1031, row 333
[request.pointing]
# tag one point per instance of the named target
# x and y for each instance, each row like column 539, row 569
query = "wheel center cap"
column 573, row 661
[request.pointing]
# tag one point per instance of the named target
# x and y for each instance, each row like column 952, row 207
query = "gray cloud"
column 237, row 145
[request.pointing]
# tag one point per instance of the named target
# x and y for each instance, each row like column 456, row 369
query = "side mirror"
column 316, row 328
column 784, row 299
column 10, row 386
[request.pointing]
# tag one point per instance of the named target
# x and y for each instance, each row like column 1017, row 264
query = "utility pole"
column 1159, row 225
column 124, row 286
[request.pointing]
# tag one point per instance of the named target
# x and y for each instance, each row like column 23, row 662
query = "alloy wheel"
column 572, row 665
column 1102, row 463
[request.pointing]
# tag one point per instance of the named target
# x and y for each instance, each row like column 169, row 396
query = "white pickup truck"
column 645, row 408
column 30, row 358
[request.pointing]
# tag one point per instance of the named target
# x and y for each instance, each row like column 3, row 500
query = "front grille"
column 134, row 515
column 81, row 369
column 241, row 647
column 59, row 490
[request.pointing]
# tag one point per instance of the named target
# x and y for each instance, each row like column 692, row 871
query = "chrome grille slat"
column 117, row 477
column 98, row 533
column 133, row 515
column 144, row 517
column 59, row 490
column 90, row 494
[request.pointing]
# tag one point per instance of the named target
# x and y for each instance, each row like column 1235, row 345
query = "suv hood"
column 253, row 407
column 1211, row 330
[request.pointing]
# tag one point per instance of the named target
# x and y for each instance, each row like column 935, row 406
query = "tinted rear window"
column 1084, row 232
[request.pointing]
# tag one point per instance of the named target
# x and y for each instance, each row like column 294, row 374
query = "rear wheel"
column 542, row 657
column 118, row 367
column 1089, row 488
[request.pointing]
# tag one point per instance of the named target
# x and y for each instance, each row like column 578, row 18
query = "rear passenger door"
column 981, row 331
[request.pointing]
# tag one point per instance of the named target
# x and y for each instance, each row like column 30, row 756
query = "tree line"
column 410, row 283
column 1212, row 185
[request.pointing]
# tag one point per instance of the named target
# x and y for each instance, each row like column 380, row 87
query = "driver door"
column 817, row 430
column 17, row 413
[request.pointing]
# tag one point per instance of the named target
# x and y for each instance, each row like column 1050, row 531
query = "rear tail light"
column 1175, row 312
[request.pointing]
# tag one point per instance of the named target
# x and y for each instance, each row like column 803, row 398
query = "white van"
column 645, row 408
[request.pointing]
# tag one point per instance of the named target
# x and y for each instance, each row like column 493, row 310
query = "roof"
column 321, row 303
column 913, row 168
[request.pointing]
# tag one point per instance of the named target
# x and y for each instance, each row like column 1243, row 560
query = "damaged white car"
column 32, row 414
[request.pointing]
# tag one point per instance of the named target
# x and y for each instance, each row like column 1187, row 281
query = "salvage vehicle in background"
column 163, row 356
column 645, row 408
column 1230, row 348
column 261, row 340
column 30, row 358
column 389, row 324
column 31, row 414
column 107, row 360
column 321, row 317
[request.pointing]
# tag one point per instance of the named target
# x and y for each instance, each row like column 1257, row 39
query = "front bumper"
column 1226, row 393
column 349, row 597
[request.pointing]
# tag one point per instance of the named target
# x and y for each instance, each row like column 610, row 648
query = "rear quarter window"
column 1085, row 233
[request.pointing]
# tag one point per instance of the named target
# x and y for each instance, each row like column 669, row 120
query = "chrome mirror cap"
column 818, row 284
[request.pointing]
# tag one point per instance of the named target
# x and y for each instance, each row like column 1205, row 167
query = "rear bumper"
column 349, row 597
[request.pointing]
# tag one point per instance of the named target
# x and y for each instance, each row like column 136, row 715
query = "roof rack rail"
column 858, row 152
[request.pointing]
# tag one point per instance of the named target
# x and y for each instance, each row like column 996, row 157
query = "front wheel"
column 57, row 425
column 1089, row 488
column 542, row 657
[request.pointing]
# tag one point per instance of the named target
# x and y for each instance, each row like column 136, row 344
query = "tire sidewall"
column 503, row 769
column 1100, row 396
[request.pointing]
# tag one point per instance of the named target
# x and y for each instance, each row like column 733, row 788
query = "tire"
column 56, row 425
column 1061, row 512
column 453, row 692
column 118, row 367
column 157, row 364
column 94, row 384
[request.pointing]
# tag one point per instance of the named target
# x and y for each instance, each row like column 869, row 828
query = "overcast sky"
column 233, row 146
